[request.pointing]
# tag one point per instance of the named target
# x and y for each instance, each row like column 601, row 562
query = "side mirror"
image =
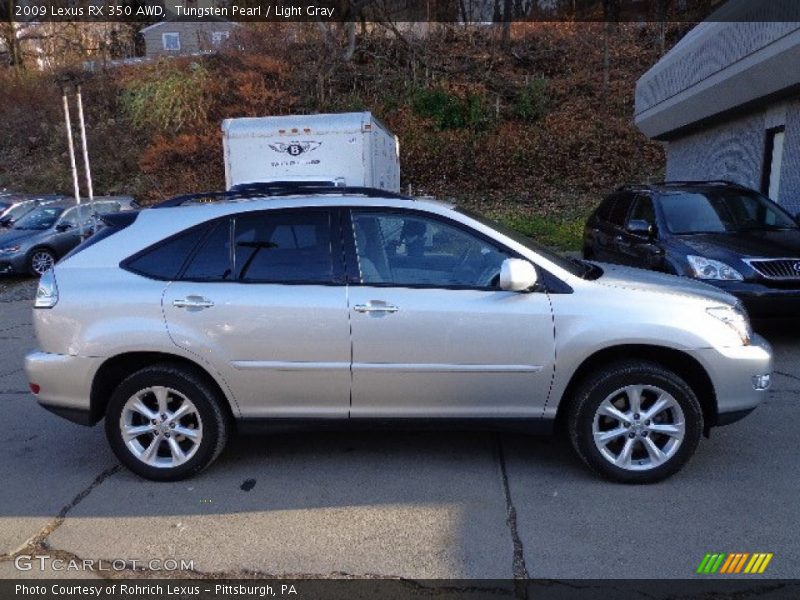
column 7, row 222
column 517, row 275
column 641, row 228
column 64, row 226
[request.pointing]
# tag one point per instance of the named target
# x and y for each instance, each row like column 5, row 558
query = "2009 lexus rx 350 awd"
column 185, row 322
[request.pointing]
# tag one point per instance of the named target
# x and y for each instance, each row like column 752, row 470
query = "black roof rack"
column 708, row 182
column 277, row 188
column 667, row 184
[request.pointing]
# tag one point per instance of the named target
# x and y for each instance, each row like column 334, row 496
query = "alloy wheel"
column 638, row 427
column 42, row 261
column 161, row 427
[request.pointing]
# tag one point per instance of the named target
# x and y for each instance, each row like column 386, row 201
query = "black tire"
column 215, row 421
column 33, row 254
column 594, row 390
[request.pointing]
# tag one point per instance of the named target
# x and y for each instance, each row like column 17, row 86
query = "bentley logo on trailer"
column 295, row 148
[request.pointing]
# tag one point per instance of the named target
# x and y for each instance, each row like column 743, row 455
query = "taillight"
column 47, row 292
column 34, row 387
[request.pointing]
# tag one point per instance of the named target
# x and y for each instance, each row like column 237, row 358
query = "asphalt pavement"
column 411, row 505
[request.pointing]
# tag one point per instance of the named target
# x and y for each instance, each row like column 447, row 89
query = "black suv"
column 716, row 231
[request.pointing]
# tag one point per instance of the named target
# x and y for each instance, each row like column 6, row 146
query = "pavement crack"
column 518, row 568
column 37, row 542
column 789, row 375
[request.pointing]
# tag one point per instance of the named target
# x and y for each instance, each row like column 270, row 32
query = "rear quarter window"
column 166, row 259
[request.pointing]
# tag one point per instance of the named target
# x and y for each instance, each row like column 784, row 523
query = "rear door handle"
column 193, row 302
column 376, row 307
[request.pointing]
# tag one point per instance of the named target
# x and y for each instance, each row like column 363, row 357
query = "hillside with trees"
column 532, row 125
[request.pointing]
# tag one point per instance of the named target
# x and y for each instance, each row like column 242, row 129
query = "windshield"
column 722, row 211
column 17, row 210
column 576, row 267
column 42, row 218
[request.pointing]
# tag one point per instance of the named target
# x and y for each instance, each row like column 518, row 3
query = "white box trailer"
column 347, row 149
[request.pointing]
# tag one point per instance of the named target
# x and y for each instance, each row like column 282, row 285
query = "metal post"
column 72, row 161
column 85, row 156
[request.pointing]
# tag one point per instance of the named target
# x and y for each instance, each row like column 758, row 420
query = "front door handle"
column 376, row 307
column 193, row 302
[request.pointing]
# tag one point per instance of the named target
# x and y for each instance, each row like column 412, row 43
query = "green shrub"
column 532, row 101
column 169, row 99
column 563, row 234
column 449, row 111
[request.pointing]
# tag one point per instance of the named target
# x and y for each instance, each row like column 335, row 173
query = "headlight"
column 705, row 268
column 734, row 317
column 9, row 249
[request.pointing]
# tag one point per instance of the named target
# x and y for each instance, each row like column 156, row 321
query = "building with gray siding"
column 726, row 101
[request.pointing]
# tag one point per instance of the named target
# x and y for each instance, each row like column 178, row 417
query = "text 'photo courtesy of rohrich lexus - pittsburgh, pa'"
column 310, row 302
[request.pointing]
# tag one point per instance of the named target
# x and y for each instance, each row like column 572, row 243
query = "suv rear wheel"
column 635, row 422
column 166, row 423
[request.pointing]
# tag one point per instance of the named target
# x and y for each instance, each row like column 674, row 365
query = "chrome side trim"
column 277, row 365
column 445, row 368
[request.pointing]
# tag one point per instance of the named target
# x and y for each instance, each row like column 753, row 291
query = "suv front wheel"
column 166, row 423
column 635, row 422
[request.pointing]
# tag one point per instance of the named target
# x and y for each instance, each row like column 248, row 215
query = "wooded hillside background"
column 532, row 125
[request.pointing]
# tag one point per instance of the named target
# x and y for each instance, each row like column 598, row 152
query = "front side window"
column 407, row 249
column 643, row 210
column 171, row 41
column 73, row 215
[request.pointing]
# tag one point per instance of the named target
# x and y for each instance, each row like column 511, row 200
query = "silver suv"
column 186, row 322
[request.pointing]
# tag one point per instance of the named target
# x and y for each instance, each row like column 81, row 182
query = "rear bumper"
column 732, row 372
column 65, row 383
column 762, row 301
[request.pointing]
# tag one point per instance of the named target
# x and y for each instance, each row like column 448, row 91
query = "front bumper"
column 763, row 301
column 13, row 264
column 732, row 372
column 65, row 383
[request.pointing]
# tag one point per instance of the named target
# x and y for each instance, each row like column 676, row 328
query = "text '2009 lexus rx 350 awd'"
column 180, row 324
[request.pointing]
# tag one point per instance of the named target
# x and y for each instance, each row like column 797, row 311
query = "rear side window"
column 284, row 247
column 212, row 261
column 165, row 260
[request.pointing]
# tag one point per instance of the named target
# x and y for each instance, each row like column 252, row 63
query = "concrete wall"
column 195, row 36
column 734, row 150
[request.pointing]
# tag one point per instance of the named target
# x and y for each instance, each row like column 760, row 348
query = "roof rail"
column 708, row 182
column 639, row 186
column 275, row 189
